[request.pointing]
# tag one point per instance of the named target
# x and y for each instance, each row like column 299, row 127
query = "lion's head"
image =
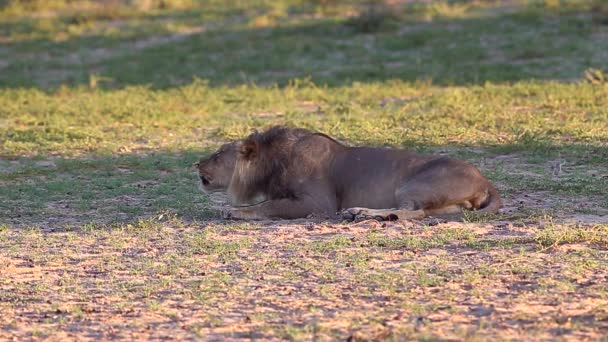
column 261, row 164
column 216, row 170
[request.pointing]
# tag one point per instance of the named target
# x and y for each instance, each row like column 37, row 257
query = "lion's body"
column 317, row 175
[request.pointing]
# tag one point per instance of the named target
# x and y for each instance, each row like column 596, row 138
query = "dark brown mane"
column 263, row 162
column 275, row 147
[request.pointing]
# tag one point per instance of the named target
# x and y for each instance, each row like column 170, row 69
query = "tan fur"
column 215, row 171
column 241, row 187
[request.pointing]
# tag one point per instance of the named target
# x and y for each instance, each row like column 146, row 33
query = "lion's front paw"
column 226, row 213
column 361, row 214
column 349, row 214
column 243, row 214
column 234, row 214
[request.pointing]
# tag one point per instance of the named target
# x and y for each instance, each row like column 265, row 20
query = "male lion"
column 311, row 173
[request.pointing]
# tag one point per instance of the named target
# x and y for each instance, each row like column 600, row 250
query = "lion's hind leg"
column 360, row 214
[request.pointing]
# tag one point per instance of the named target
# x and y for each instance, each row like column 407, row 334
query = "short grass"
column 104, row 108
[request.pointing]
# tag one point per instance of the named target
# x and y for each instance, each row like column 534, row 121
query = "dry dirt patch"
column 300, row 279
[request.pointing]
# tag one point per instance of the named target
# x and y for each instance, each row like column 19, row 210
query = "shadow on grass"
column 61, row 192
column 72, row 192
column 510, row 47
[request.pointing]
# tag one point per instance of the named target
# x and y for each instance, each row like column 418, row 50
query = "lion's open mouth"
column 205, row 180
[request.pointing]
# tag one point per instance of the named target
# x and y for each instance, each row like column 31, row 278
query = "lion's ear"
column 249, row 149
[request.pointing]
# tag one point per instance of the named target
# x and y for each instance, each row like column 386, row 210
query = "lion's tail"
column 493, row 201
